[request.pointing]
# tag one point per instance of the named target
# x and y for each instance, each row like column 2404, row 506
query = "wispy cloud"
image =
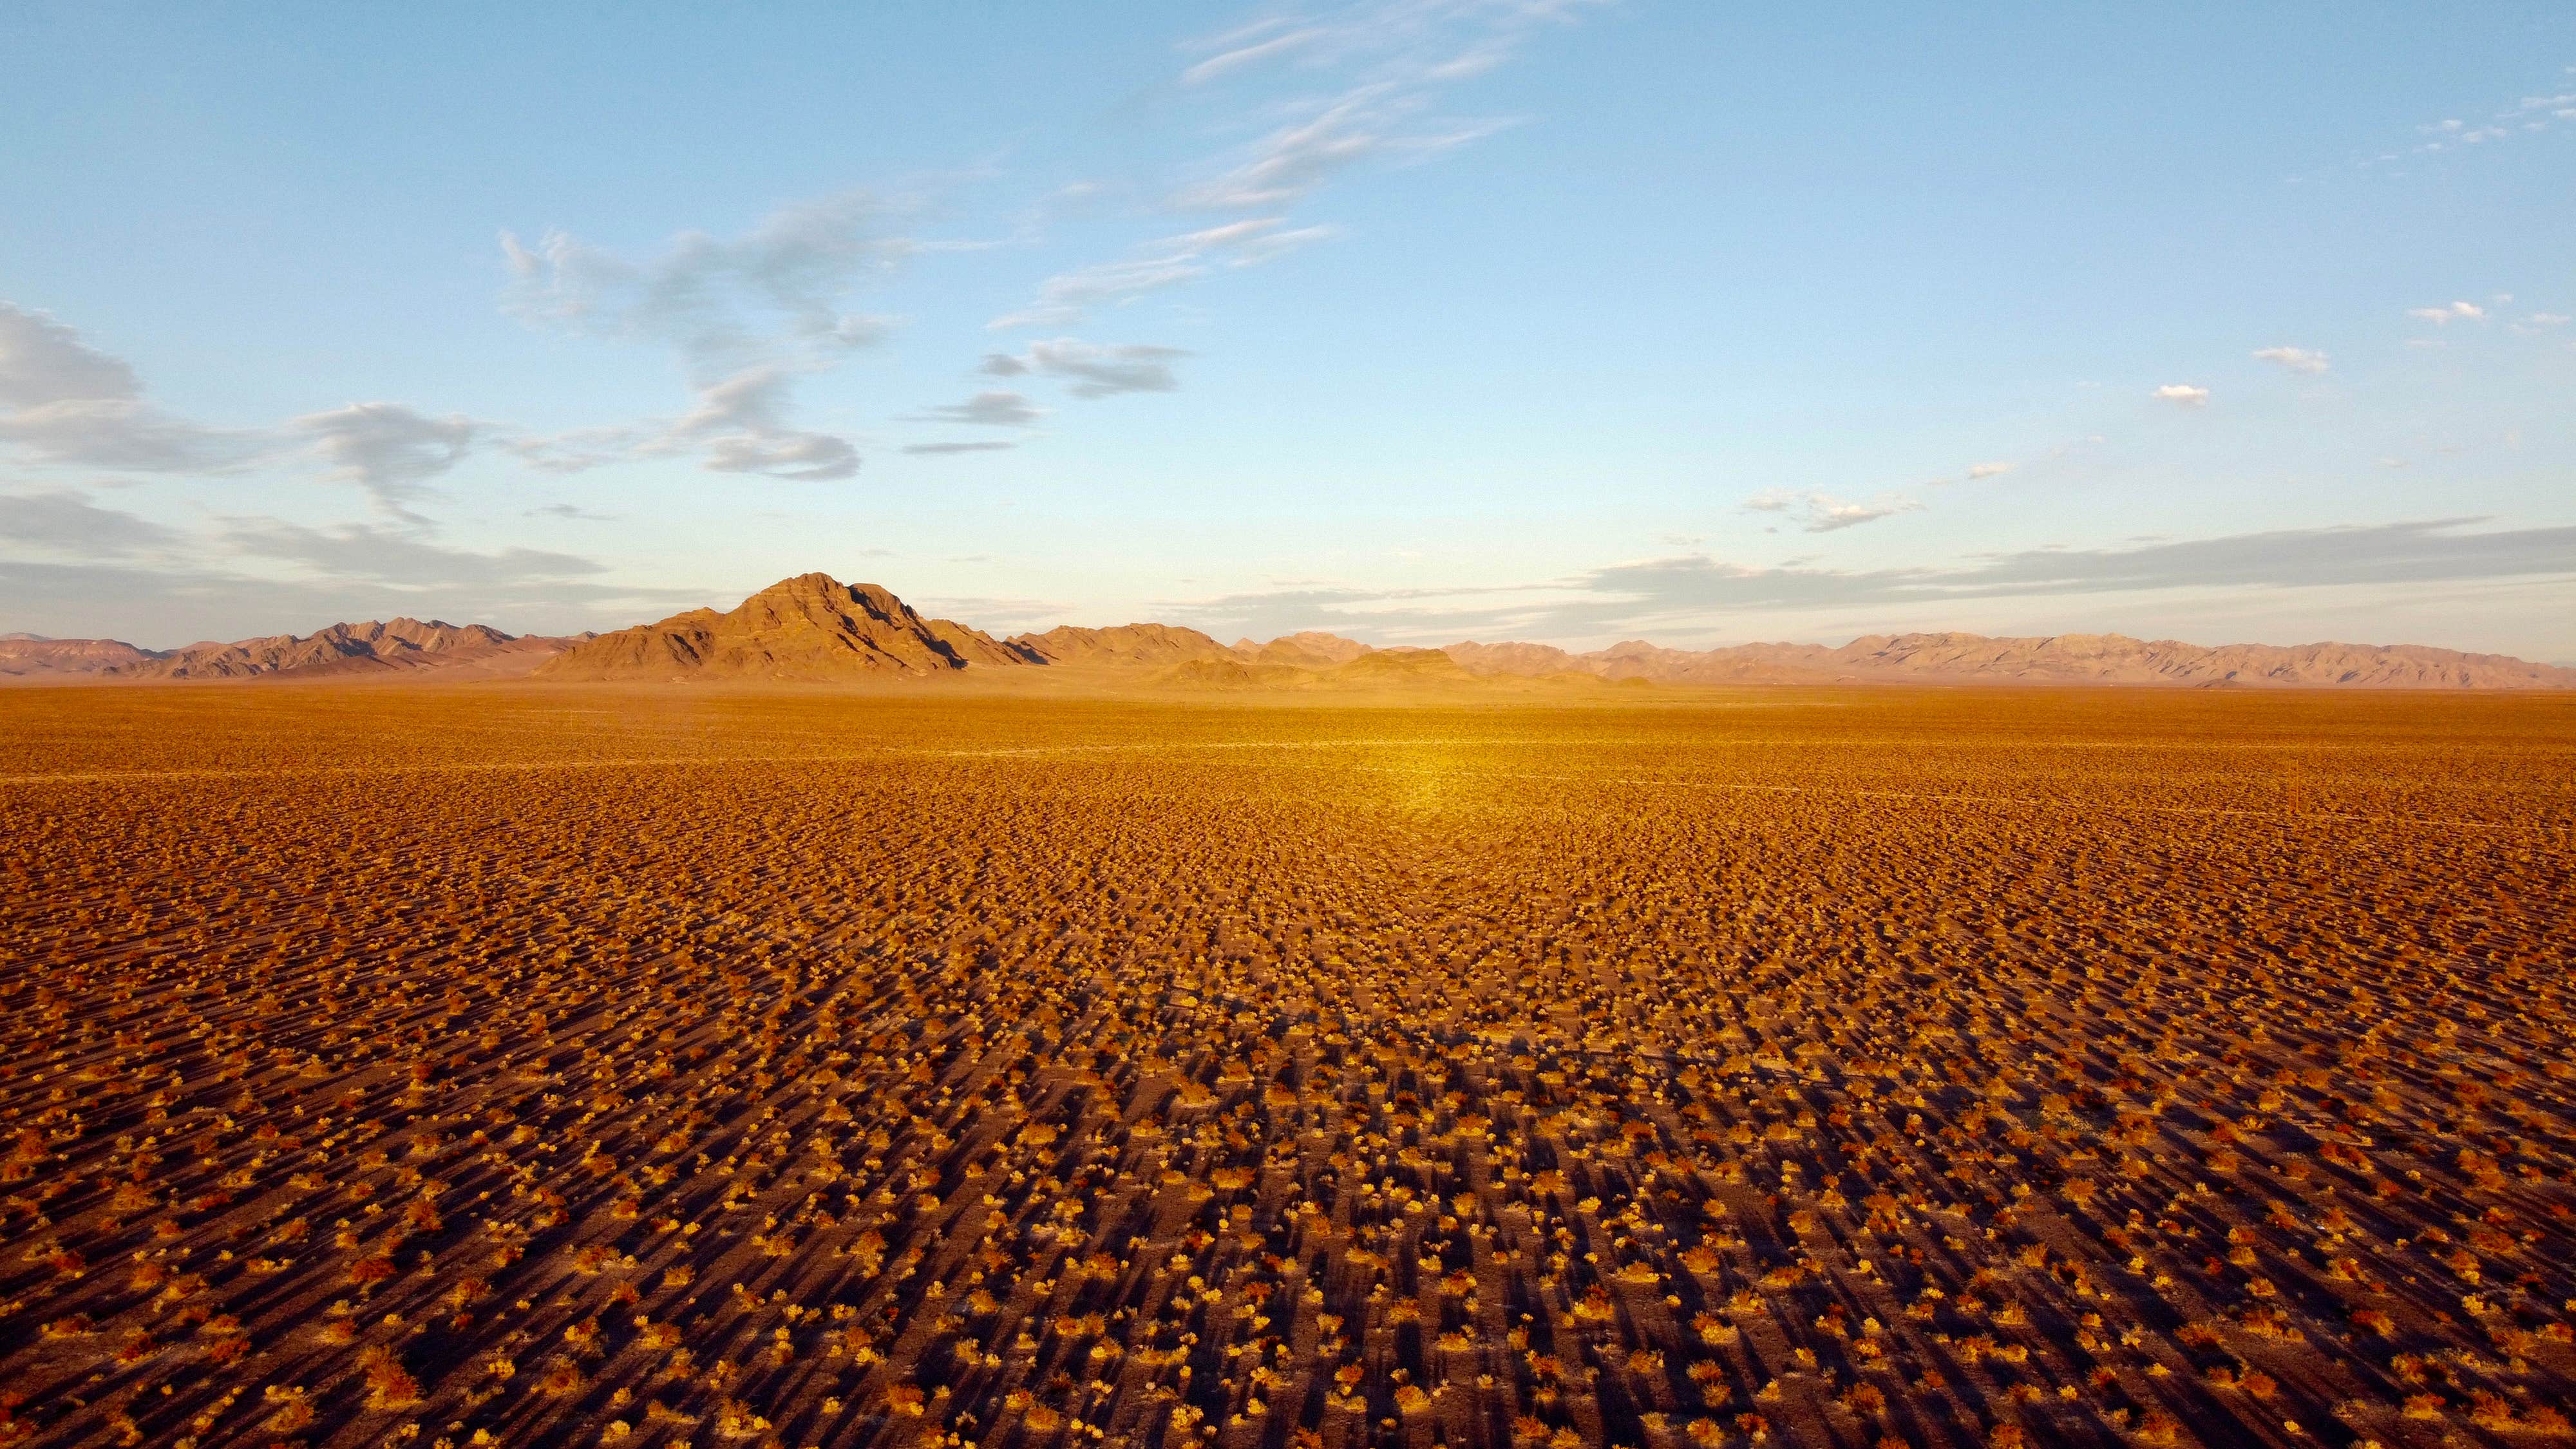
column 1694, row 593
column 746, row 315
column 66, row 403
column 737, row 426
column 388, row 449
column 935, row 450
column 996, row 409
column 152, row 602
column 2182, row 394
column 797, row 457
column 357, row 551
column 1324, row 91
column 1164, row 263
column 2526, row 115
column 65, row 521
column 1095, row 371
column 1825, row 513
column 2293, row 359
column 2446, row 315
column 724, row 303
column 71, row 563
column 1385, row 65
column 1370, row 122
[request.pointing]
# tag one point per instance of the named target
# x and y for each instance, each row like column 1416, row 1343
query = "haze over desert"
column 1287, row 724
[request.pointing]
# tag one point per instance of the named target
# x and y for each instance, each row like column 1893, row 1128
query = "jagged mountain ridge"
column 812, row 628
column 2047, row 659
column 33, row 656
column 1121, row 644
column 388, row 646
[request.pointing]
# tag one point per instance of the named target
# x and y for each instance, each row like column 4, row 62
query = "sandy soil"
column 516, row 1066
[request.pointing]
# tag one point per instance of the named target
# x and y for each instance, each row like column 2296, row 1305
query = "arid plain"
column 480, row 1065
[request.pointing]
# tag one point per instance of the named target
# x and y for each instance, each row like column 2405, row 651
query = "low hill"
column 1409, row 670
column 2048, row 659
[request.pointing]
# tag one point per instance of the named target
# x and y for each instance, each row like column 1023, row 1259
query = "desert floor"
column 475, row 1066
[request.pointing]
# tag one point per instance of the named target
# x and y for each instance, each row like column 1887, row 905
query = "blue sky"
column 1417, row 321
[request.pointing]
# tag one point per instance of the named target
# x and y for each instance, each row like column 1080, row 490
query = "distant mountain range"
column 395, row 646
column 814, row 629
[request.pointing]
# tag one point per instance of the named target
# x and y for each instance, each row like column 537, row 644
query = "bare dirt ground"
column 513, row 1066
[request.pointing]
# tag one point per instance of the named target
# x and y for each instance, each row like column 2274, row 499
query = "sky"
column 1417, row 320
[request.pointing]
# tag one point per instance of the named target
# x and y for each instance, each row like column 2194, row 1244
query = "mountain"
column 393, row 646
column 815, row 629
column 1120, row 645
column 1375, row 670
column 33, row 656
column 340, row 649
column 2117, row 659
column 812, row 628
column 1528, row 659
column 1306, row 649
column 2050, row 659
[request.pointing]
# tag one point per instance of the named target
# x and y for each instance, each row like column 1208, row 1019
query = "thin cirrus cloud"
column 68, row 523
column 358, row 551
column 738, row 425
column 940, row 450
column 1384, row 67
column 1169, row 262
column 1695, row 591
column 1825, row 513
column 266, row 576
column 63, row 520
column 724, row 303
column 2446, row 315
column 66, row 403
column 993, row 409
column 1092, row 371
column 69, row 565
column 1370, row 122
column 2527, row 115
column 388, row 449
column 1370, row 76
column 745, row 315
column 2293, row 359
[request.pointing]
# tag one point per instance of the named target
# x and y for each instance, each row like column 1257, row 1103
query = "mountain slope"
column 2049, row 659
column 1305, row 649
column 32, row 656
column 375, row 647
column 814, row 628
column 1119, row 645
column 368, row 647
column 1376, row 670
column 810, row 628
